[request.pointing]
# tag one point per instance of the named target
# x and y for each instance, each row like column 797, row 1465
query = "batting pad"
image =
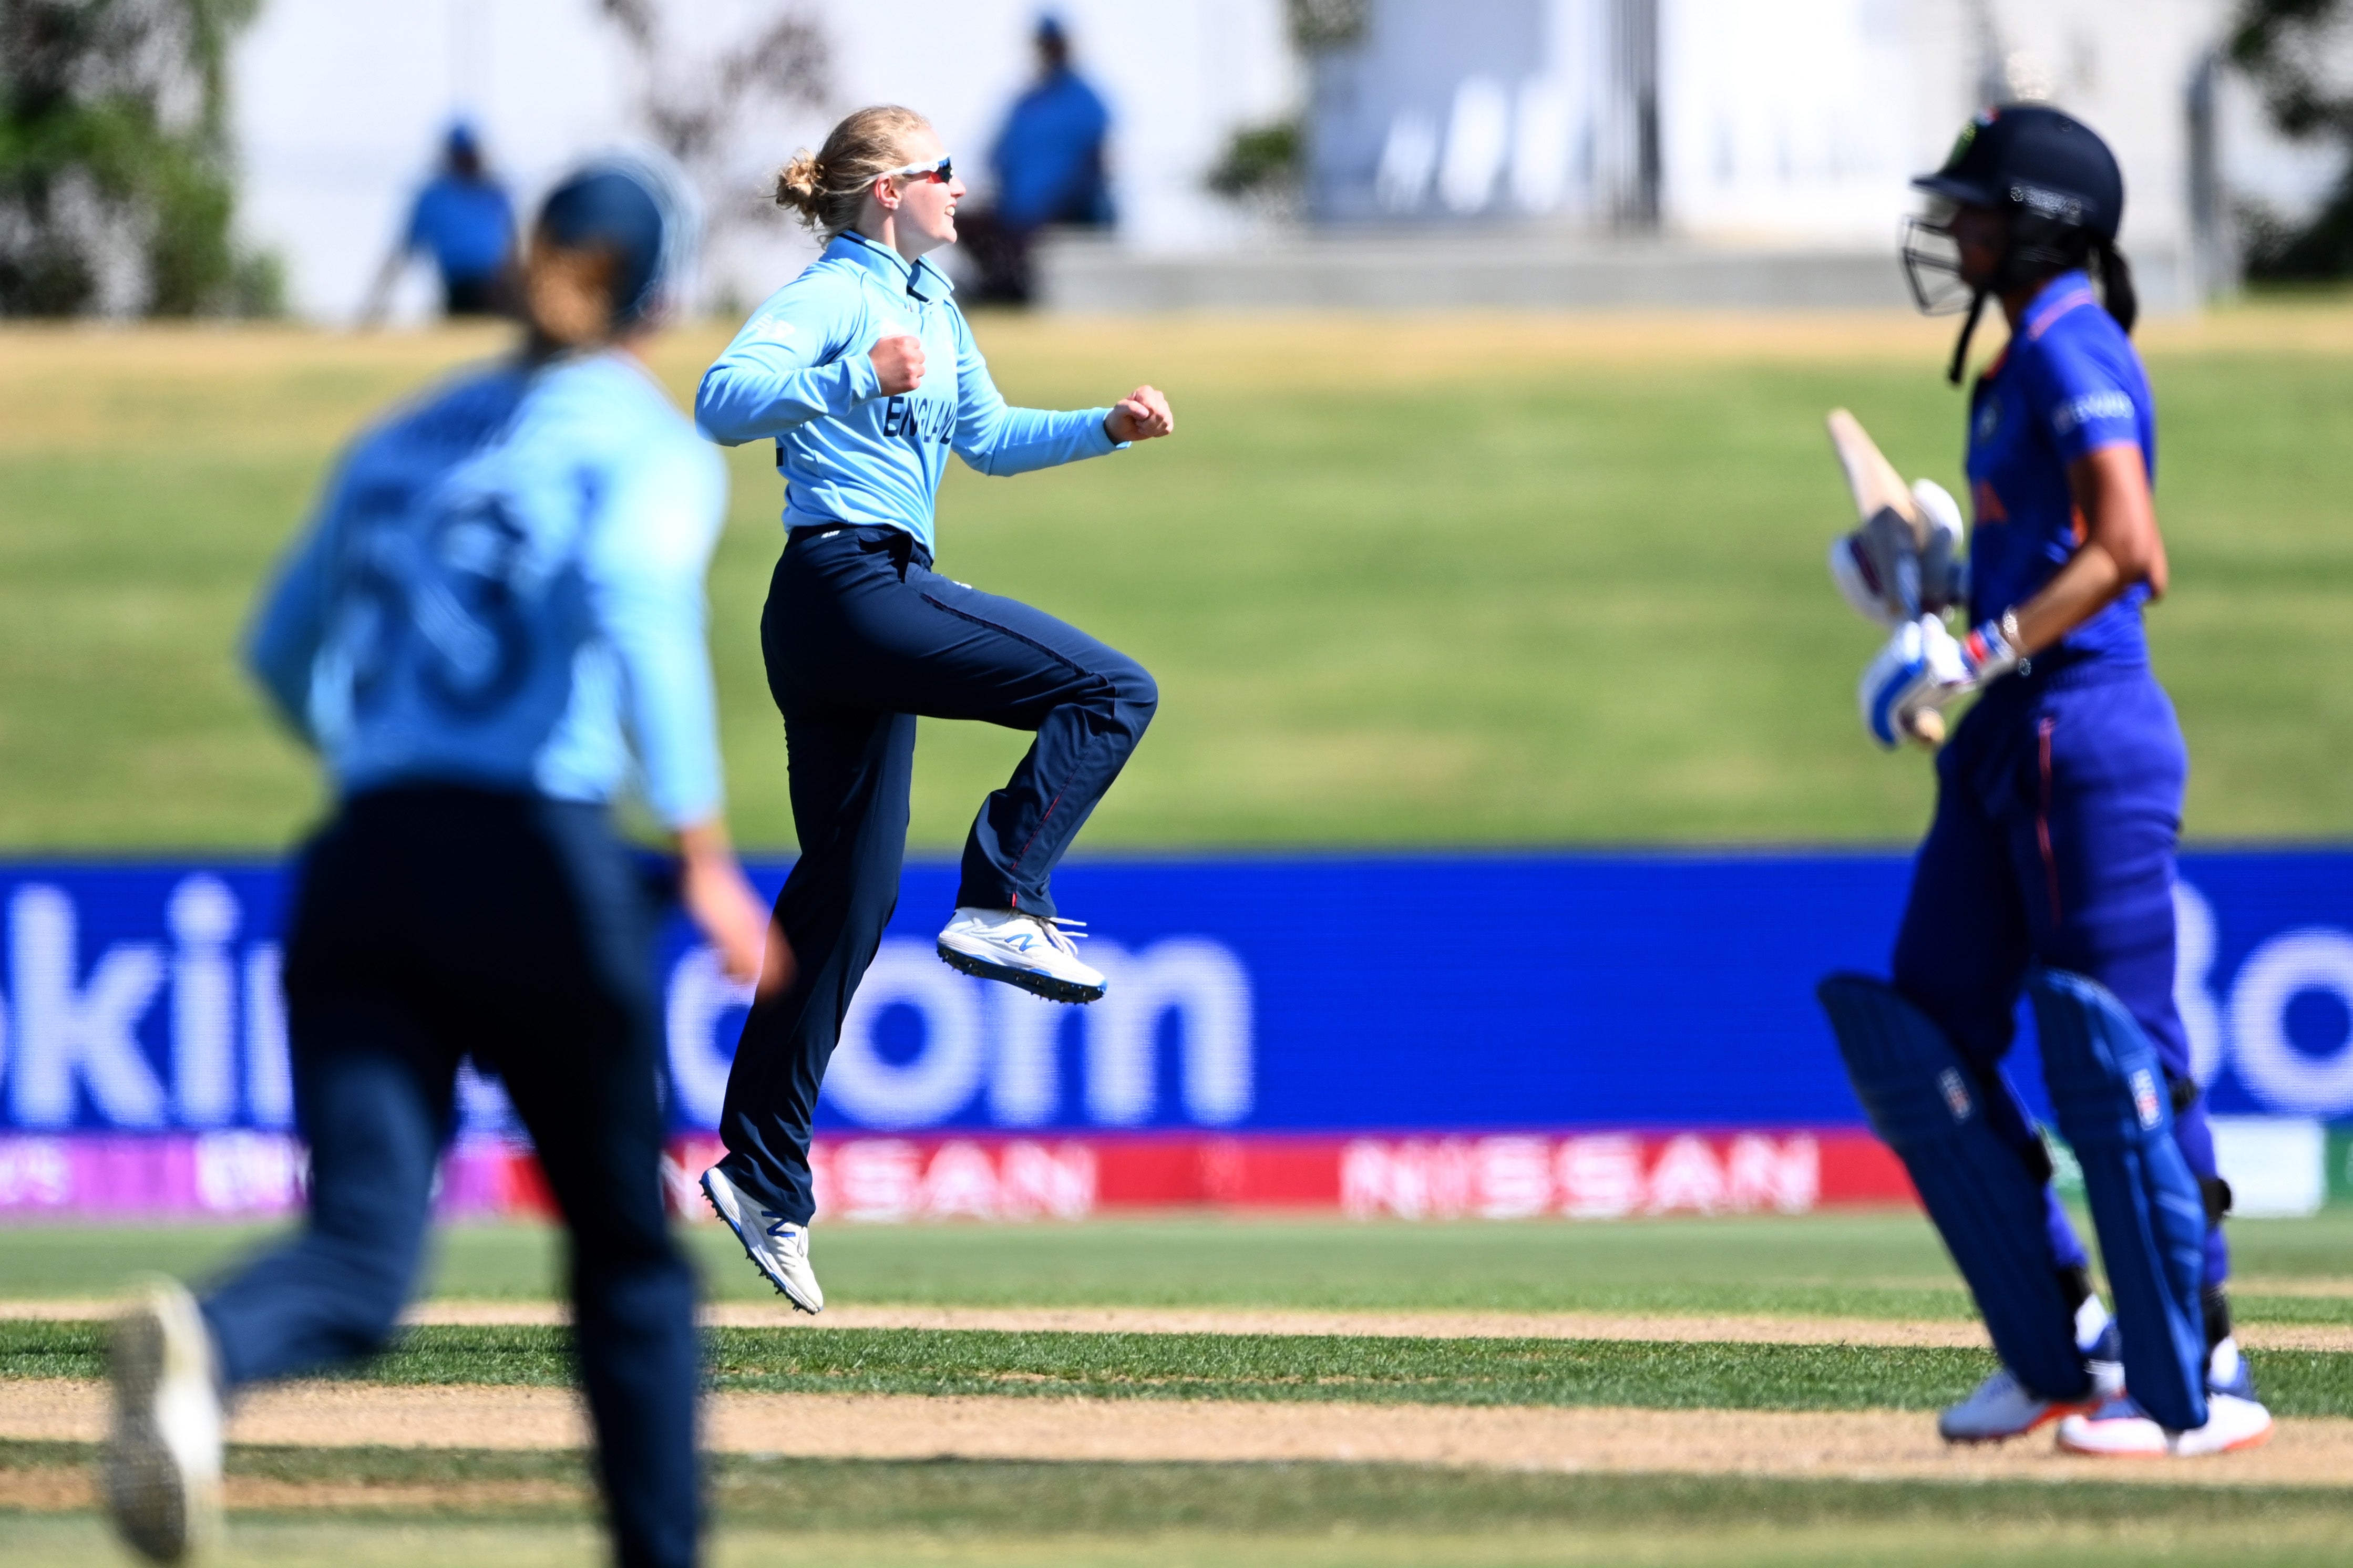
column 1979, row 1191
column 2114, row 1110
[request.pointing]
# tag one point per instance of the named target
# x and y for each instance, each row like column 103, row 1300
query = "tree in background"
column 1265, row 166
column 698, row 90
column 2284, row 48
column 115, row 186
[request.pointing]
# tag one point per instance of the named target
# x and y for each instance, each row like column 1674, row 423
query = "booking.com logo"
column 991, row 1041
column 159, row 1009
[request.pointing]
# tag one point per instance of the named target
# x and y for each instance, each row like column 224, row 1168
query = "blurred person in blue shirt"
column 1049, row 163
column 464, row 220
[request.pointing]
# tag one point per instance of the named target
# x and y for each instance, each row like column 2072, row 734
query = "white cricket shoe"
column 2003, row 1407
column 776, row 1247
column 1033, row 951
column 2234, row 1419
column 2120, row 1429
column 163, row 1459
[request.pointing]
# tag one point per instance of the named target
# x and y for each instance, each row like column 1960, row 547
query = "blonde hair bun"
column 800, row 184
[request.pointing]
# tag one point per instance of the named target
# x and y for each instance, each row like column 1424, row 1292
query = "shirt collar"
column 2067, row 291
column 920, row 279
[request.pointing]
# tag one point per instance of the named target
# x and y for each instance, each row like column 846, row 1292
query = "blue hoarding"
column 1279, row 995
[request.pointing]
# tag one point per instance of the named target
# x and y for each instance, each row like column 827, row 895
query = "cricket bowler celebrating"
column 2050, row 861
column 864, row 373
column 497, row 611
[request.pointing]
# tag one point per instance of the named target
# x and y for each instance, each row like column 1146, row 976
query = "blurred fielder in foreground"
column 500, row 602
column 865, row 374
column 2050, row 863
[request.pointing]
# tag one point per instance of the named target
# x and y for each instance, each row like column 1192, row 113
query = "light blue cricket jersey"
column 798, row 373
column 503, row 587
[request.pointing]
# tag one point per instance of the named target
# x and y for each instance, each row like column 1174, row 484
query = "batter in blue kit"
column 2049, row 865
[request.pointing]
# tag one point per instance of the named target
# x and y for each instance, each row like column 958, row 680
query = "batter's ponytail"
column 827, row 187
column 2117, row 285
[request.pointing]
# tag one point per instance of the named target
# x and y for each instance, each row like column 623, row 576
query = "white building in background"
column 1726, row 150
column 340, row 110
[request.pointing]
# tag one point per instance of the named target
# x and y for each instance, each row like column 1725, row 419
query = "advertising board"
column 1557, row 1033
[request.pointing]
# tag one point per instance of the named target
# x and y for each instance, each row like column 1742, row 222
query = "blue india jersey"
column 798, row 373
column 2068, row 385
column 503, row 586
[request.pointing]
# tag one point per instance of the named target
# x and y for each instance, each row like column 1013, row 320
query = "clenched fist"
column 900, row 363
column 1139, row 417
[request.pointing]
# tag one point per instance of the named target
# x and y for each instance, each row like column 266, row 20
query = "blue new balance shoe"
column 777, row 1247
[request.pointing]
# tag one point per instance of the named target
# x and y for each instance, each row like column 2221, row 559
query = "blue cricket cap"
column 461, row 139
column 636, row 207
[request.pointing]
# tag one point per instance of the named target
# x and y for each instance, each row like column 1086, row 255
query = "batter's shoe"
column 1033, row 951
column 777, row 1247
column 163, row 1459
column 2227, row 1371
column 2003, row 1407
column 2121, row 1429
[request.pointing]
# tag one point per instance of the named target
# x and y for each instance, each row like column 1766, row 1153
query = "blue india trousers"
column 432, row 924
column 860, row 637
column 2058, row 810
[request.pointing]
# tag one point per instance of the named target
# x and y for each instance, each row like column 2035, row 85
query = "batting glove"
column 1944, row 562
column 1920, row 668
column 1886, row 574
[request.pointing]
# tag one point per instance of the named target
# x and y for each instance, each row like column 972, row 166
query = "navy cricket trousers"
column 2058, row 810
column 860, row 637
column 436, row 922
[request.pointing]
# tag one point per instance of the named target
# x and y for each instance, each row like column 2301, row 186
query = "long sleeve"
column 282, row 646
column 797, row 359
column 645, row 567
column 998, row 440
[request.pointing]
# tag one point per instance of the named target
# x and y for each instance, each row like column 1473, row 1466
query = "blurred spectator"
column 463, row 217
column 1049, row 163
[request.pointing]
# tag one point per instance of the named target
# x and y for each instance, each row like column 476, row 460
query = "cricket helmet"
column 638, row 206
column 2057, row 182
column 2032, row 159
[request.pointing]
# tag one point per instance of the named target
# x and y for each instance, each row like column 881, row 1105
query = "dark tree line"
column 2286, row 48
column 116, row 190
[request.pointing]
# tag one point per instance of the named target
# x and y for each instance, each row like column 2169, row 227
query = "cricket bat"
column 1873, row 482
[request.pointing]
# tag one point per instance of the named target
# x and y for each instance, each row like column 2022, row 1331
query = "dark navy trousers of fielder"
column 432, row 924
column 861, row 637
column 2058, row 811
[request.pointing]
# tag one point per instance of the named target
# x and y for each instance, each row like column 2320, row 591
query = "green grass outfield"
column 850, row 1514
column 463, row 1509
column 1406, row 581
column 1354, row 1369
column 1887, row 1266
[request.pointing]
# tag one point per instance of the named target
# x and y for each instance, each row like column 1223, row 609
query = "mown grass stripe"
column 1640, row 1374
column 1045, row 1497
